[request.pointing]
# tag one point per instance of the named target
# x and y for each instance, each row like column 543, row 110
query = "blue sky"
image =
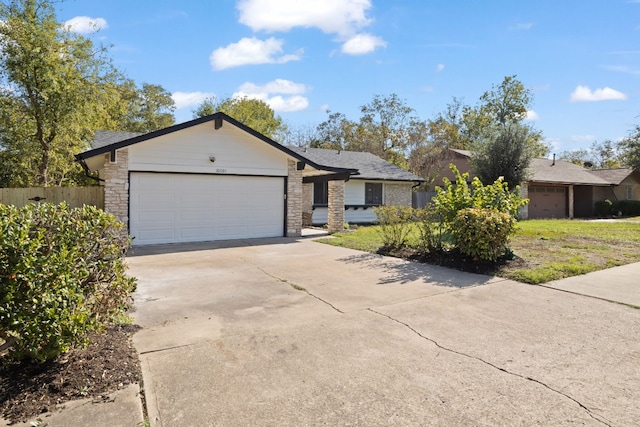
column 581, row 58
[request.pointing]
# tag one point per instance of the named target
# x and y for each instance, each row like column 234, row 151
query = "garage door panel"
column 168, row 208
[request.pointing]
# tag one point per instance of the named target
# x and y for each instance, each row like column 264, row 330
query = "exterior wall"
column 116, row 185
column 461, row 162
column 336, row 206
column 620, row 191
column 397, row 194
column 190, row 150
column 394, row 193
column 294, row 200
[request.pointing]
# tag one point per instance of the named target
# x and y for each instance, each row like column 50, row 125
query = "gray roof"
column 102, row 138
column 368, row 165
column 561, row 172
column 613, row 176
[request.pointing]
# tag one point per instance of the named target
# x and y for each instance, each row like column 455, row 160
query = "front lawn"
column 545, row 249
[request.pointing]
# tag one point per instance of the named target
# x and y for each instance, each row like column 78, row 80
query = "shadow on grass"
column 403, row 271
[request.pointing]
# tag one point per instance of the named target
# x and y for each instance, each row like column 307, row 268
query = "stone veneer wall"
column 397, row 195
column 336, row 206
column 294, row 200
column 116, row 186
column 307, row 204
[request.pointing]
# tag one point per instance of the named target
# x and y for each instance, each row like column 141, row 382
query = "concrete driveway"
column 294, row 332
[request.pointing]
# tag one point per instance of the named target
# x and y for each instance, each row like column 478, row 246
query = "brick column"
column 116, row 186
column 336, row 206
column 294, row 200
column 307, row 204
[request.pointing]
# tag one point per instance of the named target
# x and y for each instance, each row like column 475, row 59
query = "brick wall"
column 116, row 186
column 294, row 200
column 336, row 206
column 397, row 195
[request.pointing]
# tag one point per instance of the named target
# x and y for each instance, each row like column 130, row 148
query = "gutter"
column 87, row 173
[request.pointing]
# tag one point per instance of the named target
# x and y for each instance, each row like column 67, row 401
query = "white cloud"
column 250, row 51
column 585, row 94
column 623, row 69
column 362, row 43
column 345, row 18
column 85, row 24
column 583, row 138
column 325, row 107
column 521, row 26
column 272, row 92
column 342, row 17
column 190, row 99
column 439, row 67
column 532, row 115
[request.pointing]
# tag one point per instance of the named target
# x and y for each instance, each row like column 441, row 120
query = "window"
column 629, row 193
column 372, row 193
column 321, row 193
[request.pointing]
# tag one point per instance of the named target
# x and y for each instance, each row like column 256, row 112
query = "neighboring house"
column 214, row 178
column 625, row 184
column 378, row 182
column 559, row 189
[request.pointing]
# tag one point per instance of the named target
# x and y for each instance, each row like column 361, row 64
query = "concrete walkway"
column 283, row 332
column 292, row 332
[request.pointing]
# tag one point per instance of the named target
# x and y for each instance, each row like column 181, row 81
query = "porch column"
column 116, row 185
column 294, row 200
column 571, row 202
column 336, row 206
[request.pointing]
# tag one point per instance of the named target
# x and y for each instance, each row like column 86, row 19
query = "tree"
column 206, row 108
column 503, row 153
column 602, row 155
column 254, row 113
column 630, row 149
column 387, row 128
column 56, row 88
column 146, row 109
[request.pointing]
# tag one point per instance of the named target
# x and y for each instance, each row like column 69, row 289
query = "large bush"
column 395, row 224
column 483, row 233
column 487, row 207
column 62, row 274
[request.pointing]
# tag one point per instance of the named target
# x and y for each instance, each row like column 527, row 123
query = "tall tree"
column 255, row 113
column 387, row 128
column 601, row 155
column 504, row 153
column 145, row 109
column 55, row 85
column 630, row 149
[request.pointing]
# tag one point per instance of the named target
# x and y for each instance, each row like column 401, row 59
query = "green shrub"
column 604, row 208
column 453, row 198
column 483, row 233
column 62, row 274
column 629, row 207
column 432, row 232
column 395, row 224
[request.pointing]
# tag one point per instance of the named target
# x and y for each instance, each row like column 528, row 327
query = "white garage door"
column 168, row 208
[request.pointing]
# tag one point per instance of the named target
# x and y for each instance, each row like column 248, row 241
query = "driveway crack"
column 300, row 288
column 548, row 387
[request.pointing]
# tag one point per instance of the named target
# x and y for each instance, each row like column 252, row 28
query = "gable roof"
column 615, row 176
column 368, row 165
column 554, row 172
column 561, row 172
column 110, row 141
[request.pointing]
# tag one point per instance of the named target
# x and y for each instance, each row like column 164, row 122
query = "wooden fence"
column 74, row 196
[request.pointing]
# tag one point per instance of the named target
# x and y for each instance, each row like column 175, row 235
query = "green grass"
column 546, row 249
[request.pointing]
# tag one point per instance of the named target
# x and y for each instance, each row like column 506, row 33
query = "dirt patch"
column 109, row 363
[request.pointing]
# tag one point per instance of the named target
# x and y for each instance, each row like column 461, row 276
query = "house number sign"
column 221, row 171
